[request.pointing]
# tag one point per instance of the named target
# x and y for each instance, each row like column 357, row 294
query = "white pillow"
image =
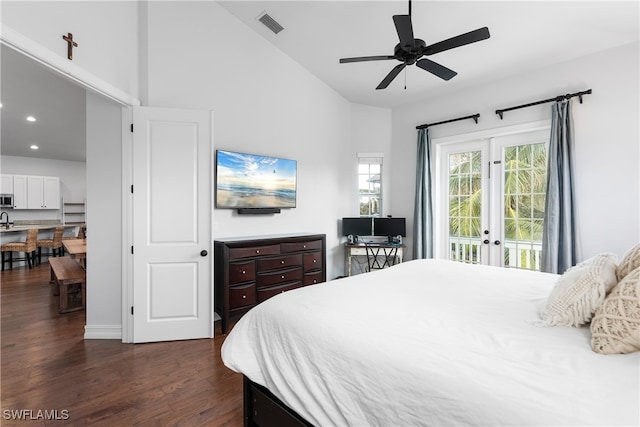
column 615, row 327
column 579, row 291
column 630, row 261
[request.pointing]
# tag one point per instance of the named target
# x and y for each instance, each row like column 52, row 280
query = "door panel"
column 172, row 261
column 464, row 175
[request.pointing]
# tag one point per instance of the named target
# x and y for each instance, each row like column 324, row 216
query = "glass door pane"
column 524, row 189
column 465, row 206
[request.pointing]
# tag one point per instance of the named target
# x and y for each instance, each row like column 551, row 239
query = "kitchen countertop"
column 24, row 227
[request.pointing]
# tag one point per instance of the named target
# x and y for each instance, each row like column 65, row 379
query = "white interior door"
column 172, row 245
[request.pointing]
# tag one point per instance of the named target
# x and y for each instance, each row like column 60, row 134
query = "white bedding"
column 431, row 342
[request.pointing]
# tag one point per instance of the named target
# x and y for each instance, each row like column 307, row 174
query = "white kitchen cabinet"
column 6, row 184
column 43, row 192
column 20, row 192
column 51, row 194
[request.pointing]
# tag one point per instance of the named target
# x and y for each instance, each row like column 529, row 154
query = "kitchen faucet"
column 7, row 223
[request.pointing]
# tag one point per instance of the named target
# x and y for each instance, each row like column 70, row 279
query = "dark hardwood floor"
column 48, row 366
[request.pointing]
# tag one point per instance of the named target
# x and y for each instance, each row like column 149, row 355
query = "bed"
column 426, row 342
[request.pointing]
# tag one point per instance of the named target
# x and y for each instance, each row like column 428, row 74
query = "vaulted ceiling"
column 525, row 36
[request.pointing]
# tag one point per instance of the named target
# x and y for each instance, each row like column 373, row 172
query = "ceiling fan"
column 411, row 50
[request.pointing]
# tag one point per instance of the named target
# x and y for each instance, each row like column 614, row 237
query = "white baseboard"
column 103, row 332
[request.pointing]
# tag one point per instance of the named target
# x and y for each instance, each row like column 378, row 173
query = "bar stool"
column 28, row 247
column 55, row 244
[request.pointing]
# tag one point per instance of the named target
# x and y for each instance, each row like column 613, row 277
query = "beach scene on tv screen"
column 252, row 181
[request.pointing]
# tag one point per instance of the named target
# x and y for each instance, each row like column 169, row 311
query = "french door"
column 490, row 196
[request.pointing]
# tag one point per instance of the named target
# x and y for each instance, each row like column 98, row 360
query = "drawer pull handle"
column 315, row 260
column 244, row 272
column 282, row 262
column 244, row 297
column 283, row 276
column 315, row 281
column 257, row 251
column 304, row 246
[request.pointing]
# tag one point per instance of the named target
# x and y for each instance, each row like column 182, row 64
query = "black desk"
column 379, row 255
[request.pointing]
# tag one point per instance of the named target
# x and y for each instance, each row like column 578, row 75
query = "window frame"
column 370, row 159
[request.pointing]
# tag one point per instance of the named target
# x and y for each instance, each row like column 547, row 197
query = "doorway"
column 490, row 197
column 67, row 116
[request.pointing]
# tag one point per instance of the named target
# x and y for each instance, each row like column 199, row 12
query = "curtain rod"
column 557, row 99
column 474, row 117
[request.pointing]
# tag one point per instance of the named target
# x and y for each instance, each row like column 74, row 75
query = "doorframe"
column 486, row 134
column 89, row 81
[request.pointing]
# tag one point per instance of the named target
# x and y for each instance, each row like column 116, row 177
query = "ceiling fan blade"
column 405, row 31
column 366, row 58
column 436, row 69
column 392, row 75
column 457, row 41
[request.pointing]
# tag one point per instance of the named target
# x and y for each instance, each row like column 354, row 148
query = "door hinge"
column 131, row 249
column 131, row 127
column 131, row 188
column 132, row 310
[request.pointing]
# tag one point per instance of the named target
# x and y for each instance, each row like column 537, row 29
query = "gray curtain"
column 423, row 213
column 559, row 238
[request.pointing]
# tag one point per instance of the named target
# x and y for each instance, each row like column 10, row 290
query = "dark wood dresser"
column 253, row 269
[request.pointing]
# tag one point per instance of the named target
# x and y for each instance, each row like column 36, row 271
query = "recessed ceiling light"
column 31, row 119
column 34, row 147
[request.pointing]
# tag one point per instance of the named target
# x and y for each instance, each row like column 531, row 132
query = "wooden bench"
column 68, row 279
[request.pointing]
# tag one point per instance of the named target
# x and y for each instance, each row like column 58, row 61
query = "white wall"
column 104, row 218
column 606, row 138
column 73, row 181
column 106, row 33
column 263, row 103
column 370, row 133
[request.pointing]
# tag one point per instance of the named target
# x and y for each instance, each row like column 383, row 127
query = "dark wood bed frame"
column 263, row 409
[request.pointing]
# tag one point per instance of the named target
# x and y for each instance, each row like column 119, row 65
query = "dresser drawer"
column 313, row 261
column 284, row 261
column 301, row 246
column 240, row 296
column 312, row 278
column 253, row 251
column 266, row 293
column 278, row 277
column 242, row 272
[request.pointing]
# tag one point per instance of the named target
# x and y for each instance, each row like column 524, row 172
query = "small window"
column 370, row 184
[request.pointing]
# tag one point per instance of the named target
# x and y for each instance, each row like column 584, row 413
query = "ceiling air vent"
column 270, row 23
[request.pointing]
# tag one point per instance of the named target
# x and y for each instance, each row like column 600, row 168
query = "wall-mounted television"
column 253, row 182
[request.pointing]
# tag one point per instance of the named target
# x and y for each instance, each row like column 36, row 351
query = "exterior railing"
column 517, row 253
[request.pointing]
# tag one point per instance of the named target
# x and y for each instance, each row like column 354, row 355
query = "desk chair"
column 28, row 247
column 388, row 254
column 55, row 244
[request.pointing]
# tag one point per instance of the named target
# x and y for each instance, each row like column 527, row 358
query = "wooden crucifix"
column 70, row 45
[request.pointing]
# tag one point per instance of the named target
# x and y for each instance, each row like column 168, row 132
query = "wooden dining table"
column 76, row 248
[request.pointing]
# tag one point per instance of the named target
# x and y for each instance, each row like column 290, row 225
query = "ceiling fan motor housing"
column 412, row 54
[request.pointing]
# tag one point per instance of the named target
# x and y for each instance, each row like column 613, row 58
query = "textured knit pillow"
column 630, row 262
column 579, row 291
column 615, row 327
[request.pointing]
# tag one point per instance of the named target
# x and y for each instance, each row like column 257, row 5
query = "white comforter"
column 431, row 342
